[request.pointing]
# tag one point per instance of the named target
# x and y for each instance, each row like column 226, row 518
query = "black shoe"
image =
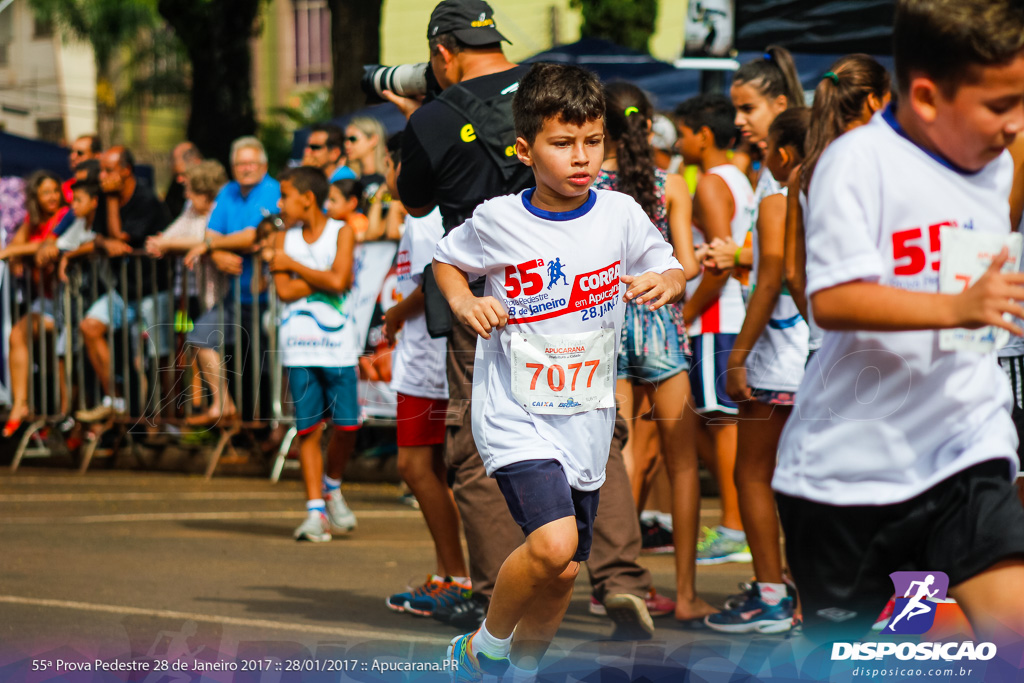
column 468, row 614
column 655, row 539
column 444, row 612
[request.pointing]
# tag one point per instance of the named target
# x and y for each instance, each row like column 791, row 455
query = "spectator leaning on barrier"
column 230, row 237
column 133, row 214
column 203, row 182
column 325, row 150
column 454, row 162
column 184, row 156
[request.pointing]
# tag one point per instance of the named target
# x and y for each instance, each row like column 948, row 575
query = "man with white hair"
column 230, row 236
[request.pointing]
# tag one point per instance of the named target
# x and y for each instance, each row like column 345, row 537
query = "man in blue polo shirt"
column 230, row 239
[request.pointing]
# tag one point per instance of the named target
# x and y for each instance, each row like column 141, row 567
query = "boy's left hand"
column 280, row 262
column 651, row 289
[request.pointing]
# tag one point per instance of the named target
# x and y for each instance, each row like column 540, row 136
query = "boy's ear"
column 706, row 137
column 785, row 155
column 923, row 98
column 524, row 152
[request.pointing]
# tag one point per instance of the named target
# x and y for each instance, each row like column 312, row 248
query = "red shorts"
column 421, row 420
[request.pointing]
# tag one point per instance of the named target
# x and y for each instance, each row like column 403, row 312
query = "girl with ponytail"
column 847, row 96
column 653, row 347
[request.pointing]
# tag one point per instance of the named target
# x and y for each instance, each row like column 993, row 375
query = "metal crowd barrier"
column 152, row 363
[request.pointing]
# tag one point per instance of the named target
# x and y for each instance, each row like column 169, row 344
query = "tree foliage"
column 630, row 24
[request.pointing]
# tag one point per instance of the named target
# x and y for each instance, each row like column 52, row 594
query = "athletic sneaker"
column 469, row 667
column 655, row 539
column 341, row 518
column 466, row 614
column 749, row 590
column 314, row 528
column 657, row 605
column 445, row 593
column 717, row 548
column 399, row 601
column 883, row 619
column 754, row 616
column 630, row 616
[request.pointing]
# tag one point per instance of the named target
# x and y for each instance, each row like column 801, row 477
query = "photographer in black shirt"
column 457, row 152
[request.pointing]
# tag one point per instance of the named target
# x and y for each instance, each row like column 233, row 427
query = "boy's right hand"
column 392, row 324
column 482, row 314
column 992, row 295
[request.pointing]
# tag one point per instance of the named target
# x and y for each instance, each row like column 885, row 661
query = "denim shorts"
column 320, row 394
column 651, row 348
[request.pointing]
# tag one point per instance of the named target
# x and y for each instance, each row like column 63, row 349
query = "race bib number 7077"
column 564, row 374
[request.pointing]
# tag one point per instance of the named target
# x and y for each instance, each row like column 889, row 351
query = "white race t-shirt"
column 557, row 274
column 816, row 334
column 884, row 416
column 418, row 362
column 727, row 313
column 777, row 360
column 318, row 330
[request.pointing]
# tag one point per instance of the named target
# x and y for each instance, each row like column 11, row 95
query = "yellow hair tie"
column 631, row 110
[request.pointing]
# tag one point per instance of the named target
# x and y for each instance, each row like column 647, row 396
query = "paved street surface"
column 136, row 567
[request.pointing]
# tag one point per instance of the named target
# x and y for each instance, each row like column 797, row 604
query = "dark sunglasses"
column 316, row 148
column 77, row 153
column 352, row 138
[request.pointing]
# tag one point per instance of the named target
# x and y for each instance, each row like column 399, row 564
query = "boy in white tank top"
column 723, row 208
column 312, row 267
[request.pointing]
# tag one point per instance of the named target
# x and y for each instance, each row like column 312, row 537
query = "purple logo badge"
column 917, row 594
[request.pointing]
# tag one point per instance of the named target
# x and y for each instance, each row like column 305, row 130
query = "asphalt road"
column 134, row 568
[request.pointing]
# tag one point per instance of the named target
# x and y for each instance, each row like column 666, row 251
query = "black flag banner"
column 814, row 26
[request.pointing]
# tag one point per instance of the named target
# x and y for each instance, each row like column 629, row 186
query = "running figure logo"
column 917, row 595
column 555, row 273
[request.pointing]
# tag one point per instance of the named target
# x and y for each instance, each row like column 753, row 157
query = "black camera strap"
column 492, row 122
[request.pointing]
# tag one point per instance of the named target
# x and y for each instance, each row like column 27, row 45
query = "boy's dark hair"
column 308, row 179
column 713, row 110
column 627, row 117
column 90, row 188
column 774, row 74
column 839, row 100
column 789, row 129
column 350, row 188
column 335, row 135
column 395, row 148
column 946, row 38
column 91, row 168
column 556, row 91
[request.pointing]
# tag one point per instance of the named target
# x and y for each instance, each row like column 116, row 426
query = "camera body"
column 407, row 80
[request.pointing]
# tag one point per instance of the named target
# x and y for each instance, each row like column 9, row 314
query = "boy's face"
column 565, row 157
column 689, row 144
column 293, row 205
column 982, row 117
column 83, row 203
column 338, row 207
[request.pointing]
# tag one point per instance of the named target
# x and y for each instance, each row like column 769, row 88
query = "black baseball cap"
column 470, row 21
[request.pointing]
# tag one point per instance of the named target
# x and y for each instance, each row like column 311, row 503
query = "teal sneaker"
column 445, row 595
column 468, row 668
column 754, row 616
column 716, row 548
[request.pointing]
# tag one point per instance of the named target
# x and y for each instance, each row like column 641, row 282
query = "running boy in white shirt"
column 544, row 372
column 903, row 459
column 312, row 267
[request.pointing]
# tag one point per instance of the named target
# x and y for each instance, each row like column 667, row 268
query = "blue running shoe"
column 468, row 668
column 754, row 616
column 444, row 594
column 400, row 601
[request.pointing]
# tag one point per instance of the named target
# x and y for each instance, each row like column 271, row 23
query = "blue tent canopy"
column 21, row 156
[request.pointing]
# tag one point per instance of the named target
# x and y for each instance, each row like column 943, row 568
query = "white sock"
column 495, row 648
column 517, row 675
column 331, row 484
column 316, row 507
column 462, row 581
column 771, row 593
column 732, row 534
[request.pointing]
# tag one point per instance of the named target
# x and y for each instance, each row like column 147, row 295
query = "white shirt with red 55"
column 881, row 417
column 543, row 386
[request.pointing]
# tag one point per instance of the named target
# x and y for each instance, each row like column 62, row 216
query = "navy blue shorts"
column 538, row 493
column 320, row 394
column 707, row 373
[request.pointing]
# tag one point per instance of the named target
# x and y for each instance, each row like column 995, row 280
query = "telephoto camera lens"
column 407, row 80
